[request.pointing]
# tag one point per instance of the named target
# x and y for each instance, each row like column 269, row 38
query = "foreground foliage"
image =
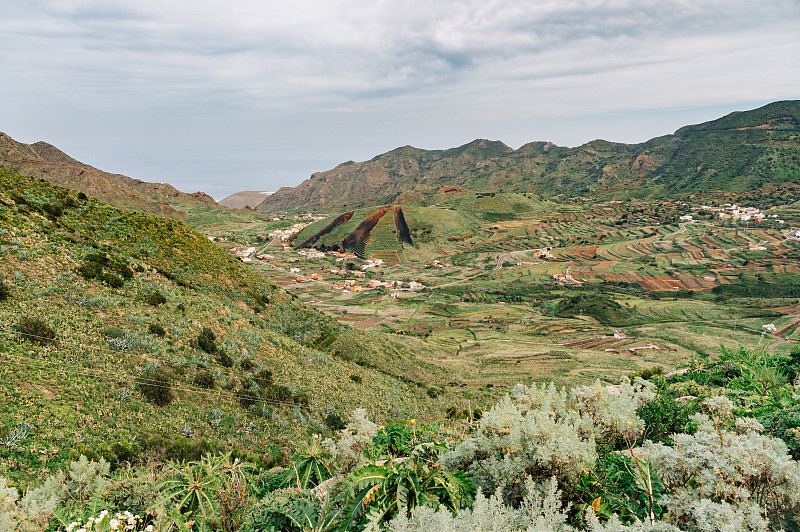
column 543, row 458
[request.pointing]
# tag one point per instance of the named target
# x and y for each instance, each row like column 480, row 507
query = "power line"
column 46, row 339
column 68, row 368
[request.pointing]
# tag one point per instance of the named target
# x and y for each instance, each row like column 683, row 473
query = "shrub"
column 649, row 373
column 392, row 440
column 204, row 379
column 5, row 291
column 111, row 280
column 246, row 364
column 542, row 432
column 113, row 332
column 247, row 394
column 155, row 298
column 82, row 196
column 263, row 378
column 156, row 385
column 102, row 268
column 347, row 451
column 224, row 359
column 740, row 474
column 355, row 378
column 334, row 421
column 207, row 341
column 277, row 393
column 157, row 330
column 53, row 210
column 663, row 417
column 541, row 510
column 36, row 330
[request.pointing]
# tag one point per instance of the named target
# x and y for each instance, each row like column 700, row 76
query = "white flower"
column 114, row 524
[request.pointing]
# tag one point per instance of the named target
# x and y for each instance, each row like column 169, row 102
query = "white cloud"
column 207, row 73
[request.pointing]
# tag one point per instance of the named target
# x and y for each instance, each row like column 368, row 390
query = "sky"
column 258, row 94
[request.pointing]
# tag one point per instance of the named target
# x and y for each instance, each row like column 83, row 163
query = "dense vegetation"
column 712, row 448
column 134, row 339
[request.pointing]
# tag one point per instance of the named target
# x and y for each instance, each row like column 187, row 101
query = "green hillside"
column 755, row 152
column 134, row 338
column 392, row 233
column 45, row 161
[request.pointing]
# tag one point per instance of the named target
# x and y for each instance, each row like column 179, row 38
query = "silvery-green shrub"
column 541, row 432
column 737, row 476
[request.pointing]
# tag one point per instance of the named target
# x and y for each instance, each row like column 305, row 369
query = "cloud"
column 369, row 70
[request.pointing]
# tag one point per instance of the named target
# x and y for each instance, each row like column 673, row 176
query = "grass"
column 85, row 378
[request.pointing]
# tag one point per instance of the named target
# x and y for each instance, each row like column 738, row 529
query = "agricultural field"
column 537, row 291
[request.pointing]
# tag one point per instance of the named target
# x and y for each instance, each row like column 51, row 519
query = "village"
column 322, row 274
column 355, row 275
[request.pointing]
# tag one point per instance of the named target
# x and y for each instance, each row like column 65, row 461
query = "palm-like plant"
column 192, row 488
column 310, row 467
column 302, row 510
column 381, row 491
column 207, row 489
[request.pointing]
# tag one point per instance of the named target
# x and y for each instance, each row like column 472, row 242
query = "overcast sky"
column 255, row 94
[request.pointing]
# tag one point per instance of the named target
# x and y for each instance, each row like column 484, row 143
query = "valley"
column 441, row 325
column 664, row 282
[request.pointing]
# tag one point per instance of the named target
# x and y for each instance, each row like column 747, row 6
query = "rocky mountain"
column 741, row 152
column 45, row 161
column 246, row 198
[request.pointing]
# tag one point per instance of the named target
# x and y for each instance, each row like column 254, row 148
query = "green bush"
column 111, row 280
column 53, row 210
column 155, row 298
column 392, row 440
column 224, row 359
column 247, row 394
column 334, row 421
column 663, row 417
column 246, row 364
column 36, row 330
column 355, row 378
column 207, row 341
column 277, row 393
column 5, row 291
column 204, row 379
column 113, row 332
column 156, row 385
column 263, row 378
column 157, row 329
column 101, row 267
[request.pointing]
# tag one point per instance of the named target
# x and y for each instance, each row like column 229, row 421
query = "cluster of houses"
column 286, row 234
column 244, row 255
column 311, row 253
column 728, row 211
column 351, row 285
column 566, row 279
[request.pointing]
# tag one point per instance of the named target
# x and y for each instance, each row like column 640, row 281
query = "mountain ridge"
column 43, row 160
column 733, row 154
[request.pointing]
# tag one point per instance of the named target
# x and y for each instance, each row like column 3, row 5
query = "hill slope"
column 246, row 198
column 48, row 162
column 123, row 299
column 741, row 152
